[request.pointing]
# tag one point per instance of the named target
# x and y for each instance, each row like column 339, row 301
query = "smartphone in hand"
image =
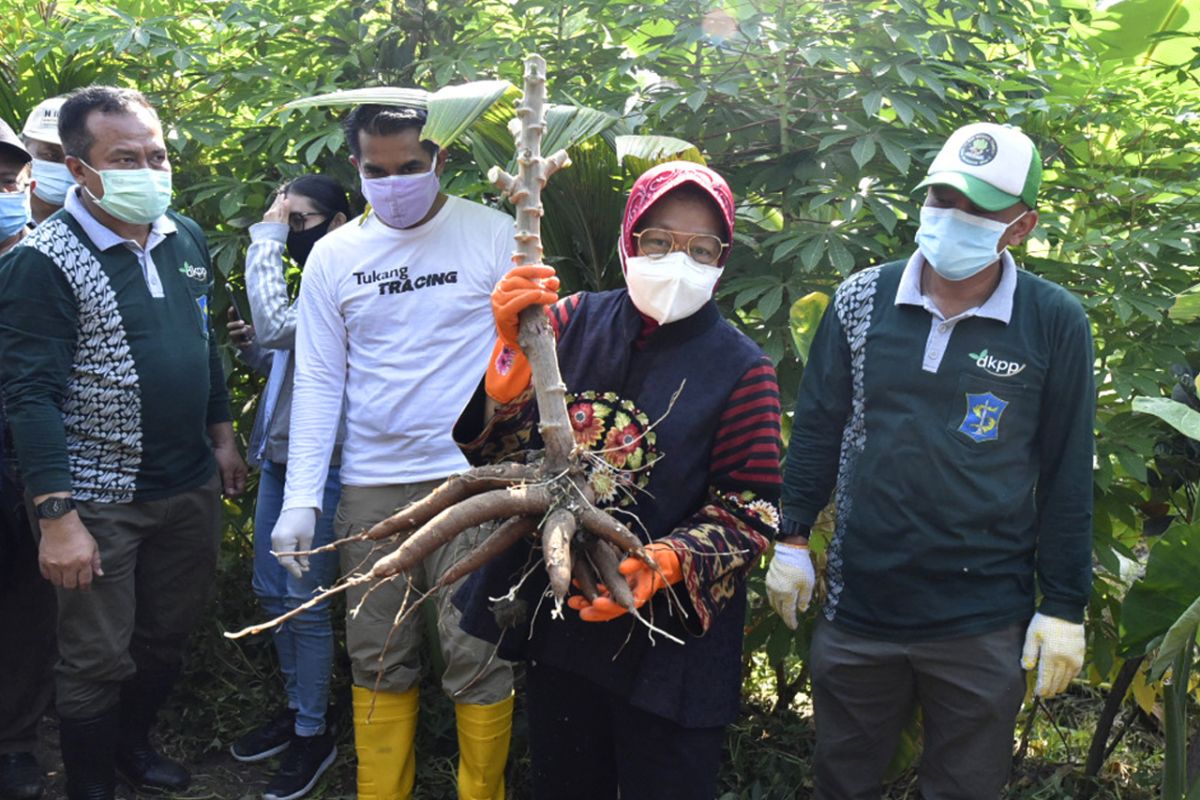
column 233, row 302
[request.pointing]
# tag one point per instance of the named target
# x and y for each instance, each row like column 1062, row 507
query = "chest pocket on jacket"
column 988, row 414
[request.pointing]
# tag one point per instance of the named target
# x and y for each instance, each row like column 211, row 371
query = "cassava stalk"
column 525, row 191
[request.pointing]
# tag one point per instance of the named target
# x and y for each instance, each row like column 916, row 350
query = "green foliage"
column 1164, row 593
column 1179, row 636
column 822, row 116
column 804, row 317
column 1177, row 415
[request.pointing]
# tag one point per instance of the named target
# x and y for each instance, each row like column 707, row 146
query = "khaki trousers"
column 473, row 674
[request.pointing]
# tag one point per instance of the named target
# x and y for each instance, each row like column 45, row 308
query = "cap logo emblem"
column 980, row 149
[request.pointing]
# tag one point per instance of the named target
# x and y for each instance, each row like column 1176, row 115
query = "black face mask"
column 300, row 243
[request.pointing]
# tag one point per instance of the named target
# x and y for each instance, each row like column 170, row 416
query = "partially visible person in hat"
column 682, row 413
column 26, row 599
column 394, row 325
column 51, row 177
column 949, row 400
column 14, row 189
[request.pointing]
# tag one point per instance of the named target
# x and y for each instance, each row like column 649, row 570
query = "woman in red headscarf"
column 681, row 413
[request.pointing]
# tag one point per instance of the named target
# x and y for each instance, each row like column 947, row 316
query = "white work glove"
column 790, row 581
column 294, row 531
column 1058, row 648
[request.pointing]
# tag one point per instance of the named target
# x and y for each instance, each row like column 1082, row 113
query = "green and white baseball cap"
column 993, row 165
column 43, row 121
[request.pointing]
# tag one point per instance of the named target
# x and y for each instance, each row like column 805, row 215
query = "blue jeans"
column 304, row 644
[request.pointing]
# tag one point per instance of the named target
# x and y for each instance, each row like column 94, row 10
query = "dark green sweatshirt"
column 110, row 389
column 955, row 487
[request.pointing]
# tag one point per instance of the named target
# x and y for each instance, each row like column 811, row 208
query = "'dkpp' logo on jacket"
column 997, row 366
column 982, row 421
column 195, row 273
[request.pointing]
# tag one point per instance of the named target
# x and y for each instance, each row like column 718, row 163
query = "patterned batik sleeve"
column 718, row 545
column 511, row 432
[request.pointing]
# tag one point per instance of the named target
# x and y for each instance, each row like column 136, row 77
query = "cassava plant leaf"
column 1160, row 597
column 1186, row 307
column 803, row 319
column 1178, row 635
column 1176, row 414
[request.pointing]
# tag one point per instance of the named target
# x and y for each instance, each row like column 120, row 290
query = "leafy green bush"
column 821, row 114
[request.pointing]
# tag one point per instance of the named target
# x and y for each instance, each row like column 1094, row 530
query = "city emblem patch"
column 982, row 422
column 202, row 307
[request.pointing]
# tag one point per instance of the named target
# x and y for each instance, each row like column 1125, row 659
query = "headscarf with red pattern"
column 657, row 182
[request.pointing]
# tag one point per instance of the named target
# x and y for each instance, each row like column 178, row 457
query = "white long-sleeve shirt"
column 400, row 323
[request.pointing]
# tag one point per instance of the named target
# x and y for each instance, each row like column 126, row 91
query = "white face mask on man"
column 671, row 287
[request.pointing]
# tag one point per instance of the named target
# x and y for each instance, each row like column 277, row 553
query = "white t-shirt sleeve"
column 506, row 244
column 319, row 386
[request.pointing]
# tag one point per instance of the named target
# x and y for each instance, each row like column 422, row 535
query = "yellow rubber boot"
column 483, row 736
column 385, row 724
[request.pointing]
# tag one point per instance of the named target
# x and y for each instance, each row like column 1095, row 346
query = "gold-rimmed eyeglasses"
column 658, row 242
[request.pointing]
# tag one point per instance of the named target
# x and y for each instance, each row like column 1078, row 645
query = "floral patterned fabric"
column 722, row 540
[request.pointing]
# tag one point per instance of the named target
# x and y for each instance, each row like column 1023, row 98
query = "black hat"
column 10, row 143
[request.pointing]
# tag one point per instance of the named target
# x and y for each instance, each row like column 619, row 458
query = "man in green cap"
column 949, row 398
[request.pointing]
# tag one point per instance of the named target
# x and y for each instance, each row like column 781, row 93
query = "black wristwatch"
column 54, row 507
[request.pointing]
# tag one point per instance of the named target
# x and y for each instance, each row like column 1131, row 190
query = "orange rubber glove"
column 643, row 582
column 520, row 288
column 508, row 370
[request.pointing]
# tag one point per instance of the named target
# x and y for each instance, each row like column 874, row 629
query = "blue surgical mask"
column 53, row 181
column 14, row 214
column 956, row 244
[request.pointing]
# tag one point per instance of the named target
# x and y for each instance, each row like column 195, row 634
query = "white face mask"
column 669, row 288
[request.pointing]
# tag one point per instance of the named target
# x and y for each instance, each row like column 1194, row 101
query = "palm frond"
column 640, row 153
column 452, row 109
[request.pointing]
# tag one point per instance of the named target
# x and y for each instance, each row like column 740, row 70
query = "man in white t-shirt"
column 395, row 318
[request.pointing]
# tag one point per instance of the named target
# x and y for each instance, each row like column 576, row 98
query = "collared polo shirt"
column 104, row 238
column 998, row 306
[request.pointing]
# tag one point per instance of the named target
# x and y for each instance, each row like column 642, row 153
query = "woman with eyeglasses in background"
column 680, row 412
column 304, row 210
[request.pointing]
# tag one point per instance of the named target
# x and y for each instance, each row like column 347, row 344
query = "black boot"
column 88, row 746
column 138, row 763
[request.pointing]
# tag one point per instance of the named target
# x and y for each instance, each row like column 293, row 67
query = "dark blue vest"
column 697, row 684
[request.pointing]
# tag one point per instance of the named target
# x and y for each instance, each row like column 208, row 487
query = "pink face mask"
column 400, row 201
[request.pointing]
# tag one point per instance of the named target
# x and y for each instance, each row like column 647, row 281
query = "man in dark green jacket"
column 116, row 396
column 950, row 400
